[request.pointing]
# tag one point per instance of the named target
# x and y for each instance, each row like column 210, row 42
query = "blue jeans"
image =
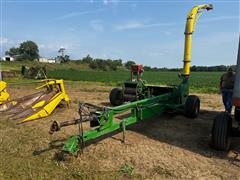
column 227, row 99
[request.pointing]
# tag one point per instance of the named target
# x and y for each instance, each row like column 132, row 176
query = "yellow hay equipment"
column 4, row 96
column 37, row 105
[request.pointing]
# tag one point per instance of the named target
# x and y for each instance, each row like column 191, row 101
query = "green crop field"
column 204, row 82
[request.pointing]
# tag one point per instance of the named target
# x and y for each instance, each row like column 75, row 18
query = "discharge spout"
column 236, row 90
column 192, row 18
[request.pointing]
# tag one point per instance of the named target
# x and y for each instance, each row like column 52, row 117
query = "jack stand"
column 124, row 129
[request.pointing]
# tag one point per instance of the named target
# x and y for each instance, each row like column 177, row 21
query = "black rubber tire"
column 237, row 114
column 221, row 131
column 115, row 97
column 192, row 106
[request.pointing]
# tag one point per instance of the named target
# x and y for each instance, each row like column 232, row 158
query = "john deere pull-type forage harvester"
column 142, row 100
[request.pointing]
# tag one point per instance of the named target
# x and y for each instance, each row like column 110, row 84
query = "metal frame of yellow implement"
column 37, row 105
column 4, row 96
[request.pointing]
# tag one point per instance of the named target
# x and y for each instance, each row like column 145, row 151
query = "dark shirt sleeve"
column 221, row 80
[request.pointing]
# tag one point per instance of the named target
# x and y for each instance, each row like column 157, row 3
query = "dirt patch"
column 168, row 147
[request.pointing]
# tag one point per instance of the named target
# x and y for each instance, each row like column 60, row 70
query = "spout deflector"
column 192, row 18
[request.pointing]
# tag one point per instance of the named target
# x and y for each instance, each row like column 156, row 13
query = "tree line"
column 28, row 50
column 219, row 68
column 104, row 64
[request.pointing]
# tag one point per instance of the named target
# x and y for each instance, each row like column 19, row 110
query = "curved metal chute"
column 192, row 18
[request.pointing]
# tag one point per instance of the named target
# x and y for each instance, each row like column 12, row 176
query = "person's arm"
column 221, row 80
column 233, row 80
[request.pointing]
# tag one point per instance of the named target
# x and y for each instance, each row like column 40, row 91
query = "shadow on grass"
column 189, row 134
column 56, row 144
column 174, row 129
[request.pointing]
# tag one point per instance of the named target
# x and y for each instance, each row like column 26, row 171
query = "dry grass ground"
column 166, row 147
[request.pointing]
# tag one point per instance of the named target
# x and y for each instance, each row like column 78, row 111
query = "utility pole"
column 61, row 51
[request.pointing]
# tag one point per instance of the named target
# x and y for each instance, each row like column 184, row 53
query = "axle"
column 102, row 118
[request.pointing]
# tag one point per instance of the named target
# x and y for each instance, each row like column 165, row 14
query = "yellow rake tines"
column 4, row 96
column 36, row 105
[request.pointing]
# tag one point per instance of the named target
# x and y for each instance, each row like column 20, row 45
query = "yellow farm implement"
column 37, row 105
column 4, row 96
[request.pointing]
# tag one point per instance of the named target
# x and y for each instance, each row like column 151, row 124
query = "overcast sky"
column 148, row 32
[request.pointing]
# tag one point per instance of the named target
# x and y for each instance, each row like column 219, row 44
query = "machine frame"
column 174, row 98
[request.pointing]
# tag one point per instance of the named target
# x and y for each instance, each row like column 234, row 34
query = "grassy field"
column 203, row 82
column 164, row 147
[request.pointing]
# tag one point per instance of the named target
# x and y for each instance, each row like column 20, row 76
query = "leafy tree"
column 128, row 64
column 87, row 59
column 28, row 50
column 101, row 64
column 66, row 58
column 63, row 59
column 147, row 68
column 13, row 52
column 118, row 62
column 61, row 51
column 219, row 68
column 93, row 65
column 112, row 66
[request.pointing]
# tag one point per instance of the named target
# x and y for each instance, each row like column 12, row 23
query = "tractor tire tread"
column 221, row 131
column 115, row 97
column 191, row 104
column 237, row 114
